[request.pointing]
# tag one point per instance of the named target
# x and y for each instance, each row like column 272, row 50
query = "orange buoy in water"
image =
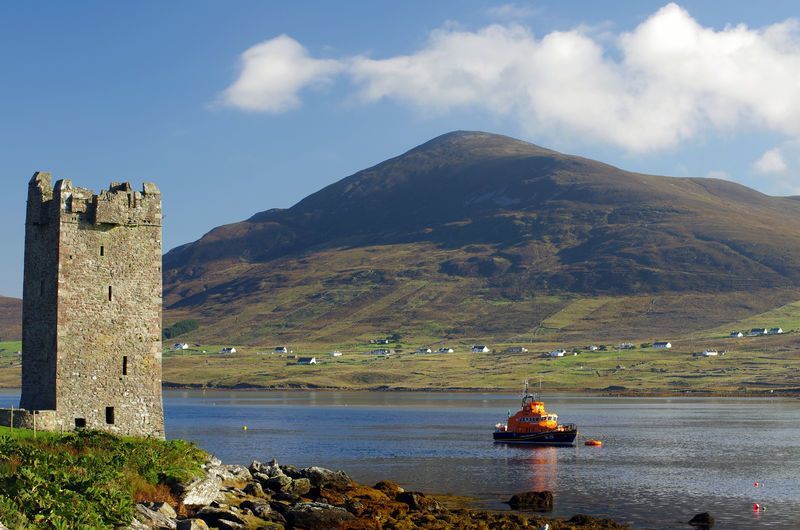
column 596, row 443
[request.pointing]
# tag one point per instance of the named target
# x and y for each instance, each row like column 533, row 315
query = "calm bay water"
column 663, row 459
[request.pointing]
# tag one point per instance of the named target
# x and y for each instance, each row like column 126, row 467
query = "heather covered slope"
column 10, row 318
column 483, row 232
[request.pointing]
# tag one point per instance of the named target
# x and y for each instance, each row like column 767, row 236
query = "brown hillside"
column 472, row 215
column 10, row 318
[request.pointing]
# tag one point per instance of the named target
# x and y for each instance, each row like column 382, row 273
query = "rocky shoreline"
column 272, row 496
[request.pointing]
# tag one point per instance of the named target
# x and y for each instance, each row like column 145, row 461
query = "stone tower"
column 91, row 329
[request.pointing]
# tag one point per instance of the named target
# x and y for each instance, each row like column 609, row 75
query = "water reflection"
column 542, row 463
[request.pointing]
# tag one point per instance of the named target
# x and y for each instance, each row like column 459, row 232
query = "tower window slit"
column 124, row 365
column 102, row 250
column 109, row 293
column 110, row 415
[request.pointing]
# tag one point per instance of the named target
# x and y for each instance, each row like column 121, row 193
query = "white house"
column 228, row 350
column 479, row 348
column 774, row 331
column 424, row 350
column 755, row 332
column 737, row 334
column 558, row 353
column 710, row 353
column 281, row 349
column 662, row 345
column 517, row 349
column 593, row 348
column 625, row 345
column 445, row 350
column 307, row 360
column 381, row 351
column 382, row 341
column 180, row 346
column 336, row 353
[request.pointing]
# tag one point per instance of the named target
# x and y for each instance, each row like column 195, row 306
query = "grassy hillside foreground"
column 86, row 479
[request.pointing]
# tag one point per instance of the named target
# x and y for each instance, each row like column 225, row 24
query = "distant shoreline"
column 790, row 393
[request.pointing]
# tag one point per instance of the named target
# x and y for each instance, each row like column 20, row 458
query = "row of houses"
column 757, row 332
column 440, row 350
column 709, row 353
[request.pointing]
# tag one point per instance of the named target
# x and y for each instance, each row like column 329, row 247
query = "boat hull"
column 557, row 438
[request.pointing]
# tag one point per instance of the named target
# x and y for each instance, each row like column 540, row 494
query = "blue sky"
column 161, row 91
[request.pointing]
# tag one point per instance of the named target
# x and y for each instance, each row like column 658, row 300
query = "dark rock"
column 317, row 516
column 286, row 496
column 278, row 483
column 254, row 489
column 261, row 478
column 224, row 524
column 255, row 467
column 192, row 524
column 702, row 521
column 587, row 521
column 418, row 501
column 213, row 516
column 538, row 501
column 292, row 471
column 326, row 478
column 300, row 486
column 282, row 507
column 260, row 509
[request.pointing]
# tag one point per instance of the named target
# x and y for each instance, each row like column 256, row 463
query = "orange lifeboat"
column 532, row 424
column 593, row 442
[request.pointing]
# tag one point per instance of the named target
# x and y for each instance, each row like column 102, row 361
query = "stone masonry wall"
column 108, row 311
column 39, row 290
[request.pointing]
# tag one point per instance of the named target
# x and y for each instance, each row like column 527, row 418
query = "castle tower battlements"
column 92, row 307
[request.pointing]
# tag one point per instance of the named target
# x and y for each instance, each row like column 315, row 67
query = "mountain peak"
column 481, row 144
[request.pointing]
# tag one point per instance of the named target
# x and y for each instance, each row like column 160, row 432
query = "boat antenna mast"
column 527, row 397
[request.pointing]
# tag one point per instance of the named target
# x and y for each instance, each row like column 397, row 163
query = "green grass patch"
column 86, row 479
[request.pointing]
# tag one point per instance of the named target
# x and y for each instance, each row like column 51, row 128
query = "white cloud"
column 273, row 72
column 668, row 81
column 771, row 163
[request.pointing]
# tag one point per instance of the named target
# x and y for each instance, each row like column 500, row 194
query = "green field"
column 758, row 366
column 751, row 364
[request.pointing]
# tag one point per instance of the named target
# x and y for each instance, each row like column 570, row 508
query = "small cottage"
column 307, row 360
column 336, row 353
column 737, row 334
column 774, row 331
column 517, row 349
column 424, row 350
column 479, row 348
column 180, row 346
column 662, row 345
column 228, row 350
column 558, row 353
column 445, row 350
column 755, row 332
column 281, row 349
